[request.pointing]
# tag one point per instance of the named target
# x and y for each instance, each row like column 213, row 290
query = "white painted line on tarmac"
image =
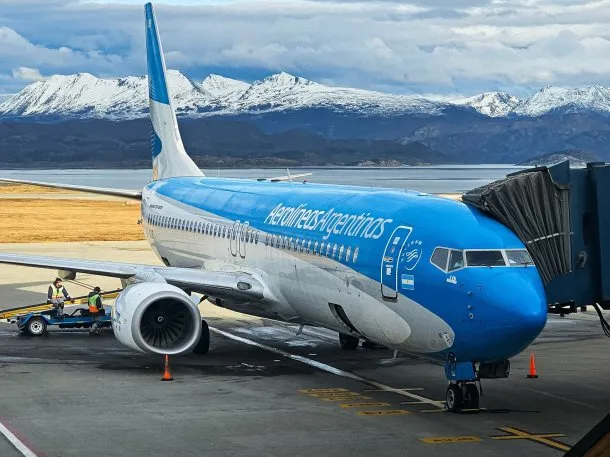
column 16, row 442
column 330, row 369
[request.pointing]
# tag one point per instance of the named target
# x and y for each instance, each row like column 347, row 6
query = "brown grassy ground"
column 27, row 189
column 33, row 220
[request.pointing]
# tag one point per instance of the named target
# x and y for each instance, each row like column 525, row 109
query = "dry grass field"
column 38, row 220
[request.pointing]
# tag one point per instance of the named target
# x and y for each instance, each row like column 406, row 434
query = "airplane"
column 413, row 272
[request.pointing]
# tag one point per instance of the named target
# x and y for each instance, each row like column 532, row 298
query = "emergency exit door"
column 389, row 262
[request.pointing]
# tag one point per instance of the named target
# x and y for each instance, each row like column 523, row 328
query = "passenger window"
column 355, row 254
column 309, row 247
column 315, row 247
column 440, row 256
column 485, row 259
column 341, row 252
column 327, row 249
column 290, row 244
column 334, row 250
column 456, row 260
column 322, row 246
column 303, row 245
column 348, row 253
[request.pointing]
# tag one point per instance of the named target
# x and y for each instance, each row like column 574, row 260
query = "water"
column 433, row 179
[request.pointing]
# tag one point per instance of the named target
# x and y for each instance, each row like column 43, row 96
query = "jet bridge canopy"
column 562, row 215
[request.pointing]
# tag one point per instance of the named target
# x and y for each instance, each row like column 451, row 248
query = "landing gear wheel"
column 36, row 326
column 203, row 346
column 454, row 398
column 348, row 342
column 472, row 397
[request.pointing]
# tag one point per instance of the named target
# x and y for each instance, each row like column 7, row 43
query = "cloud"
column 27, row 74
column 421, row 46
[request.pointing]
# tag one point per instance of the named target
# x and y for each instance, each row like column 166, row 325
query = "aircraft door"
column 389, row 261
column 242, row 240
column 234, row 233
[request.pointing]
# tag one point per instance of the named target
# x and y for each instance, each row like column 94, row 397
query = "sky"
column 443, row 48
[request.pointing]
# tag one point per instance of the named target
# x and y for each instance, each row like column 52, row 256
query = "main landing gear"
column 350, row 343
column 203, row 346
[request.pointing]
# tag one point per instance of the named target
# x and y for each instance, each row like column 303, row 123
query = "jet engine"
column 156, row 318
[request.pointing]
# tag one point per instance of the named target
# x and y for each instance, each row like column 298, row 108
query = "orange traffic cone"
column 532, row 374
column 166, row 375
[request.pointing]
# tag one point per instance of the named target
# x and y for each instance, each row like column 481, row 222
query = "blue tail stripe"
column 157, row 86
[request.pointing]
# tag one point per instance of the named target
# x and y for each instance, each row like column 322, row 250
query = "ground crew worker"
column 57, row 295
column 96, row 308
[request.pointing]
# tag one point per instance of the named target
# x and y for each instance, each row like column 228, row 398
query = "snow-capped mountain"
column 548, row 99
column 219, row 86
column 86, row 96
column 492, row 104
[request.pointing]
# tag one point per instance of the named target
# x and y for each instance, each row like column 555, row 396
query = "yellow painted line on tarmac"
column 543, row 438
column 431, row 411
column 335, row 394
column 387, row 412
column 321, row 391
column 364, row 405
column 451, row 439
column 352, row 398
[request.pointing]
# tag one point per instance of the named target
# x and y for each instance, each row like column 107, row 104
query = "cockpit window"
column 439, row 258
column 518, row 257
column 485, row 259
column 456, row 260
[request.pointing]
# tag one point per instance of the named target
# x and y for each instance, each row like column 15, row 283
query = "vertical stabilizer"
column 168, row 154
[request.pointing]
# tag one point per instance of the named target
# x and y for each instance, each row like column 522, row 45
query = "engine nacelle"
column 156, row 318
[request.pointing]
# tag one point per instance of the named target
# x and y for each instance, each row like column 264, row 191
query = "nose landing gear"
column 462, row 396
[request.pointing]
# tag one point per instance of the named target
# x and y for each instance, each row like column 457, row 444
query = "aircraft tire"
column 454, row 398
column 203, row 346
column 348, row 342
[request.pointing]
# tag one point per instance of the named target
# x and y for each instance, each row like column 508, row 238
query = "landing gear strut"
column 203, row 346
column 348, row 342
column 462, row 396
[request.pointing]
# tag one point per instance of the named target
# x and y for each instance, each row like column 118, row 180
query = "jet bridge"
column 562, row 215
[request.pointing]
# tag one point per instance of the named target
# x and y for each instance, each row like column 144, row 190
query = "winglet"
column 169, row 157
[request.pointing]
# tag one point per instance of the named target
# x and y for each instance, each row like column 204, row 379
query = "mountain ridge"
column 83, row 95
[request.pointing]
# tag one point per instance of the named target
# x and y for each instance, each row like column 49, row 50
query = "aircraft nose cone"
column 525, row 312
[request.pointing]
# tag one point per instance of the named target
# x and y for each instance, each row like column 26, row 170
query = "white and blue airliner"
column 413, row 272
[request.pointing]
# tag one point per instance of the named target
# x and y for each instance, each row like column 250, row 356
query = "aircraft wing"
column 230, row 285
column 285, row 178
column 135, row 194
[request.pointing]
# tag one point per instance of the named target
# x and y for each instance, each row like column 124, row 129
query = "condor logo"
column 411, row 254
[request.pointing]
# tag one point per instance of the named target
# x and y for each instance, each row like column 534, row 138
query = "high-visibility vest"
column 93, row 303
column 58, row 293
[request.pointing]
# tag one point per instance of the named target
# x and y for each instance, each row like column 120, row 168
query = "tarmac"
column 263, row 390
